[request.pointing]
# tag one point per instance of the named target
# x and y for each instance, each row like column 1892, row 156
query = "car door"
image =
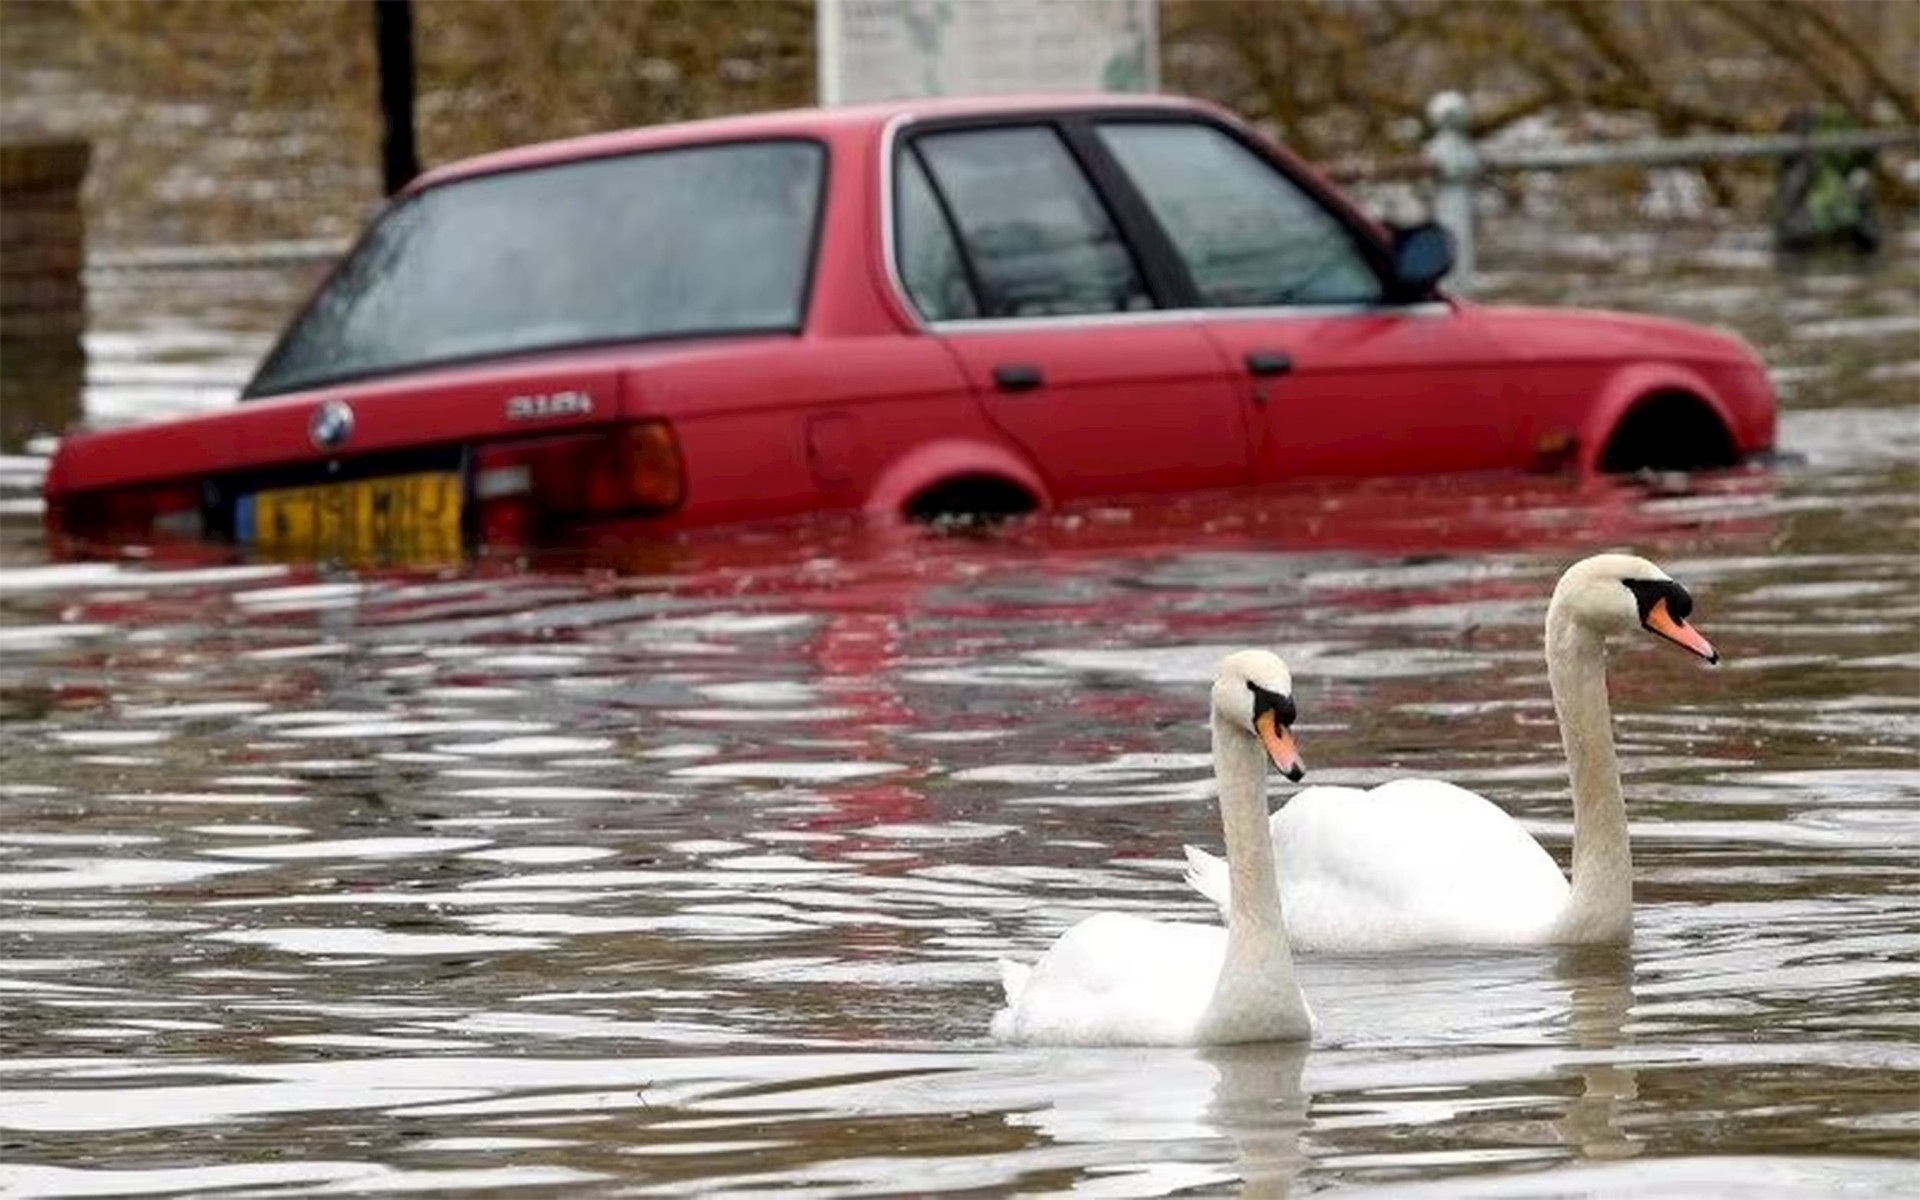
column 1016, row 264
column 1340, row 379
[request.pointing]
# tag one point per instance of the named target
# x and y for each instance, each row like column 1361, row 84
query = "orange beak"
column 1278, row 740
column 1679, row 632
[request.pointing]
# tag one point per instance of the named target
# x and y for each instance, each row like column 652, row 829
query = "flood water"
column 689, row 877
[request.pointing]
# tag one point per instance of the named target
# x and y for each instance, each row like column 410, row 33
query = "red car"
column 920, row 308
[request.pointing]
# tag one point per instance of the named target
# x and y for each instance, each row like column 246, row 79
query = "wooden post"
column 43, row 300
column 393, row 34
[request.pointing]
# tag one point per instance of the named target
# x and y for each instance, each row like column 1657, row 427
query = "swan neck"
column 1240, row 770
column 1600, row 907
column 1256, row 997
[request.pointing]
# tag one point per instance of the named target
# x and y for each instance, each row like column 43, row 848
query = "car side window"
column 1038, row 238
column 1250, row 236
column 928, row 252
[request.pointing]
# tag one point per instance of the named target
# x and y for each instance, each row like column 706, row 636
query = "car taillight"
column 142, row 514
column 630, row 470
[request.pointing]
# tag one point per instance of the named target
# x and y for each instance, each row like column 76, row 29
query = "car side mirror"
column 1422, row 256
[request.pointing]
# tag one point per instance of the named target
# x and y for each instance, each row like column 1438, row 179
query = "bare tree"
column 1351, row 79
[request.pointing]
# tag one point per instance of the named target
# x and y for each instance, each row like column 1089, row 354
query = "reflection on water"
column 691, row 881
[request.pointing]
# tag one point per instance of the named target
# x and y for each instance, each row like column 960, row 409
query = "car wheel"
column 969, row 499
column 1672, row 431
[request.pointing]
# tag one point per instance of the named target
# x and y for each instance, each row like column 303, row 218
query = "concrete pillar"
column 43, row 302
column 1456, row 168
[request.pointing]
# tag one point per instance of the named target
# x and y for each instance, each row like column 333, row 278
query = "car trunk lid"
column 329, row 471
column 323, row 431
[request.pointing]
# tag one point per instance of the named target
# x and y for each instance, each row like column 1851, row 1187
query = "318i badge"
column 549, row 404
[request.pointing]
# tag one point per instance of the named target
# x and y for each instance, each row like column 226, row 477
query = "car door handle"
column 1268, row 362
column 1017, row 377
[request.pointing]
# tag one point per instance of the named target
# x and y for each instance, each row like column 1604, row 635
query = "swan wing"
column 1013, row 979
column 1207, row 874
column 1414, row 862
column 1116, row 979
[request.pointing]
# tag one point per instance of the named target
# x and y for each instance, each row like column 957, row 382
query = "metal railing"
column 237, row 257
column 1456, row 165
column 1451, row 163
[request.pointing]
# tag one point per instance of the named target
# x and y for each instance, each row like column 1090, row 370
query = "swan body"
column 1119, row 980
column 1354, row 864
column 1420, row 862
column 1116, row 979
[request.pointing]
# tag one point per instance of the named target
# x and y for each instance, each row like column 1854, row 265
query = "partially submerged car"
column 920, row 308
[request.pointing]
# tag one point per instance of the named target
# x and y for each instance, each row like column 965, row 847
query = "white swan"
column 1418, row 862
column 1115, row 979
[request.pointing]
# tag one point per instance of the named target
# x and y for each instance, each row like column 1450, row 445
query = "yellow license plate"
column 403, row 520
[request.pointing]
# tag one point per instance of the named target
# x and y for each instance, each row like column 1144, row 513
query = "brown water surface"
column 689, row 878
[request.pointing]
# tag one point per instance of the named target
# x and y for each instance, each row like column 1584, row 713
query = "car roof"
column 796, row 122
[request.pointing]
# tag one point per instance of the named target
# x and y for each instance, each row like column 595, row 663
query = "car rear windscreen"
column 706, row 240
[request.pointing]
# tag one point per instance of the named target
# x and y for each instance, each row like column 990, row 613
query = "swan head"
column 1253, row 692
column 1614, row 593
